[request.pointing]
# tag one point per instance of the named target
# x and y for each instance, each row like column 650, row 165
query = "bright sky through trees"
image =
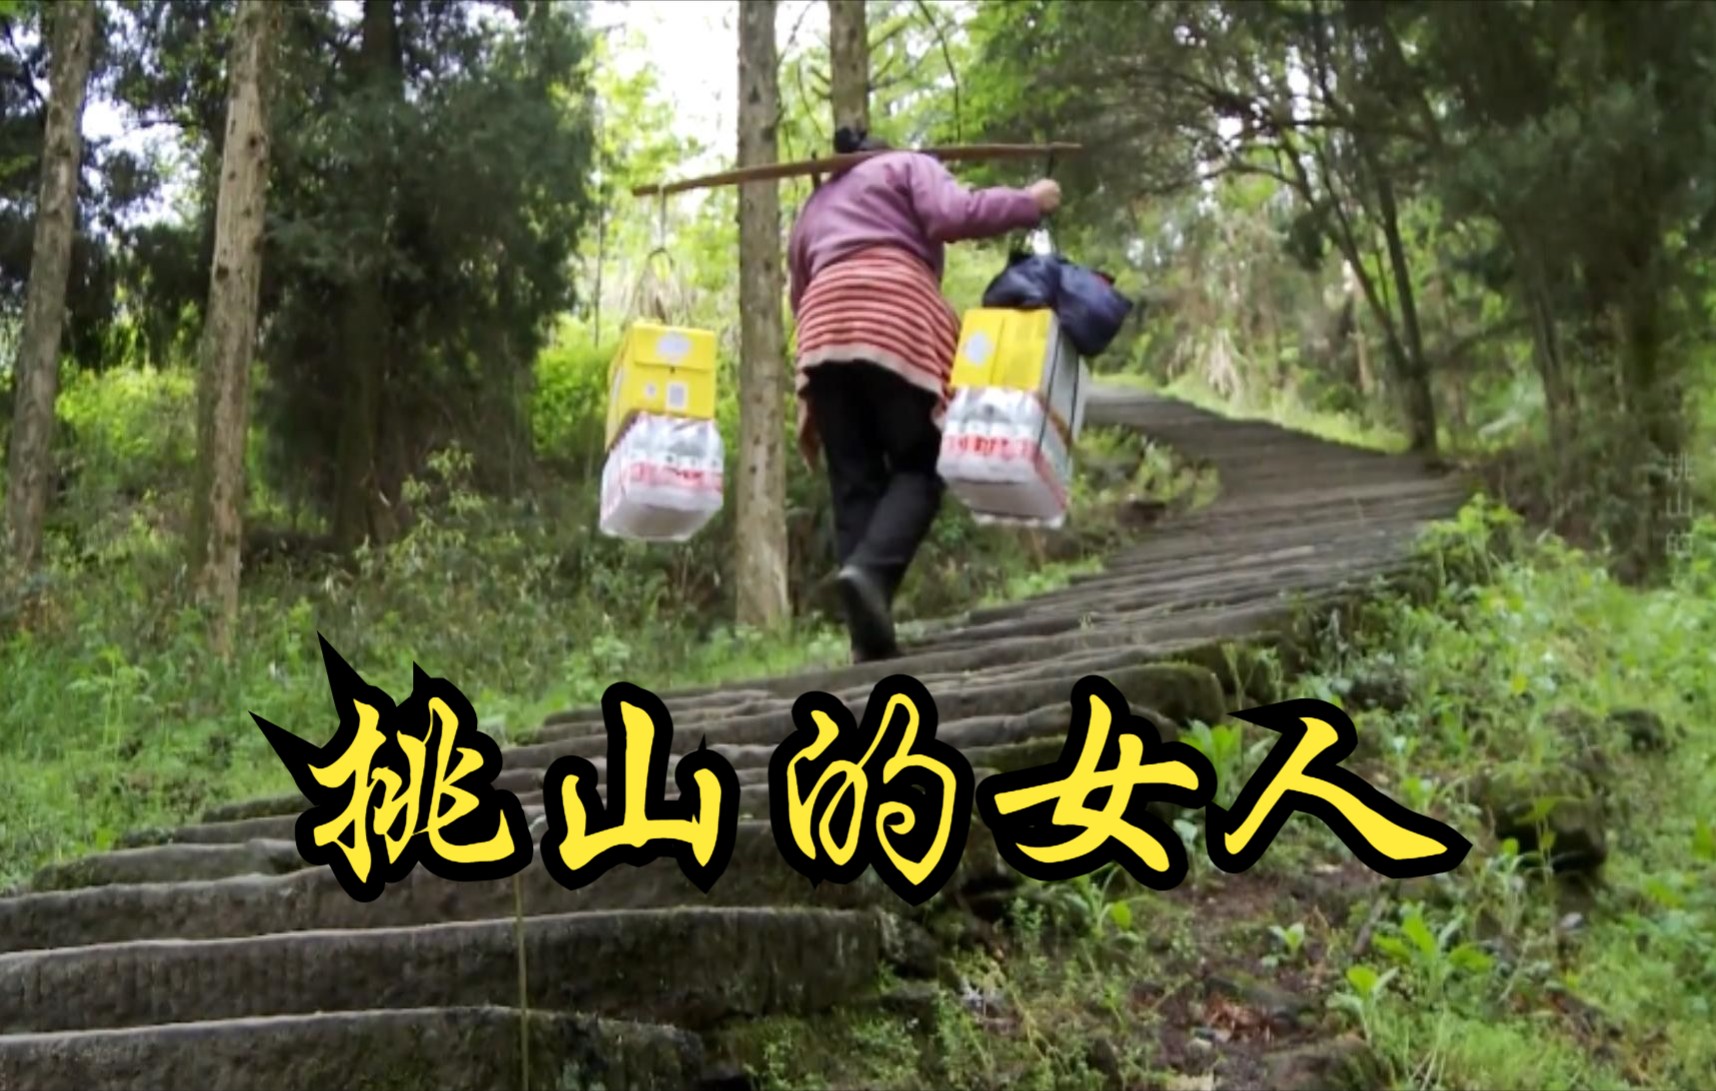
column 690, row 43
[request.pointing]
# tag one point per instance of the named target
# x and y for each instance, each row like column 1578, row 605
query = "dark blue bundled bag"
column 1091, row 312
column 1029, row 282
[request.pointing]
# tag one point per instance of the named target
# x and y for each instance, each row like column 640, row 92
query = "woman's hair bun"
column 848, row 140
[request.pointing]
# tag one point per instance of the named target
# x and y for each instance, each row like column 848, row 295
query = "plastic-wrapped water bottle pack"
column 1004, row 456
column 663, row 479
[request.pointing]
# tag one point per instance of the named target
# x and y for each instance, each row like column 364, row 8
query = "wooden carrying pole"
column 770, row 171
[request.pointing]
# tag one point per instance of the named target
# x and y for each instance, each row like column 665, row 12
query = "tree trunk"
column 1391, row 344
column 1655, row 403
column 1417, row 405
column 1456, row 381
column 1418, row 401
column 601, row 260
column 364, row 342
column 760, row 503
column 229, row 328
column 849, row 63
column 72, row 27
column 1558, row 399
column 1366, row 382
column 1349, row 307
column 1345, row 238
column 1277, row 359
column 366, row 321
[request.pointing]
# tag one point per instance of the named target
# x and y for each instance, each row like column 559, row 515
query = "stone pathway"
column 211, row 957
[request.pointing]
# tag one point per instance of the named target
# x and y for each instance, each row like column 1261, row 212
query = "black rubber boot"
column 868, row 616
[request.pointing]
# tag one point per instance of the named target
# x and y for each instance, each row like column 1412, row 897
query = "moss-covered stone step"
column 450, row 1049
column 1187, row 636
column 689, row 966
column 279, row 823
column 1179, row 690
column 1144, row 589
column 311, row 898
column 1159, row 638
column 1274, row 505
column 753, row 789
column 1214, row 593
column 1185, row 690
column 1305, row 539
column 152, row 863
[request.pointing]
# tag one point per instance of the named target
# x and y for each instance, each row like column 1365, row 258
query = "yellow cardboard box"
column 661, row 369
column 1024, row 350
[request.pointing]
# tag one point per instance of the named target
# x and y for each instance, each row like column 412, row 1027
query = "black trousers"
column 880, row 444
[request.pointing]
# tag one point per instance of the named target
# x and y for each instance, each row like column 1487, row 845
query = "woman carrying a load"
column 876, row 343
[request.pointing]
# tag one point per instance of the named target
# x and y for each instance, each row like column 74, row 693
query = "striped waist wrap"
column 880, row 306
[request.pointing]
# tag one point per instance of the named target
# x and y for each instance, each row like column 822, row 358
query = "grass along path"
column 1588, row 703
column 117, row 718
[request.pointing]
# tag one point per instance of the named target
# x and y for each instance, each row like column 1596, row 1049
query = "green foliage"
column 569, row 408
column 1502, row 660
column 1493, row 976
column 128, row 431
column 97, row 331
column 488, row 101
column 1500, row 167
column 922, row 69
column 488, row 107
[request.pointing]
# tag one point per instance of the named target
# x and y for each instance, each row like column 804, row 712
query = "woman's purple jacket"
column 903, row 199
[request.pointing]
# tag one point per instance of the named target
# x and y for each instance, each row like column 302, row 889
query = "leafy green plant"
column 1292, row 941
column 1431, row 954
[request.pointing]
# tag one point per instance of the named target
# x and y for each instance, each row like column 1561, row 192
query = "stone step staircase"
column 211, row 956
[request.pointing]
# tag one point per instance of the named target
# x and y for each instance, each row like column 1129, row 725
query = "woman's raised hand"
column 1047, row 194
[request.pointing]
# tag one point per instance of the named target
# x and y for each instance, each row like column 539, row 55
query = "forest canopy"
column 1474, row 224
